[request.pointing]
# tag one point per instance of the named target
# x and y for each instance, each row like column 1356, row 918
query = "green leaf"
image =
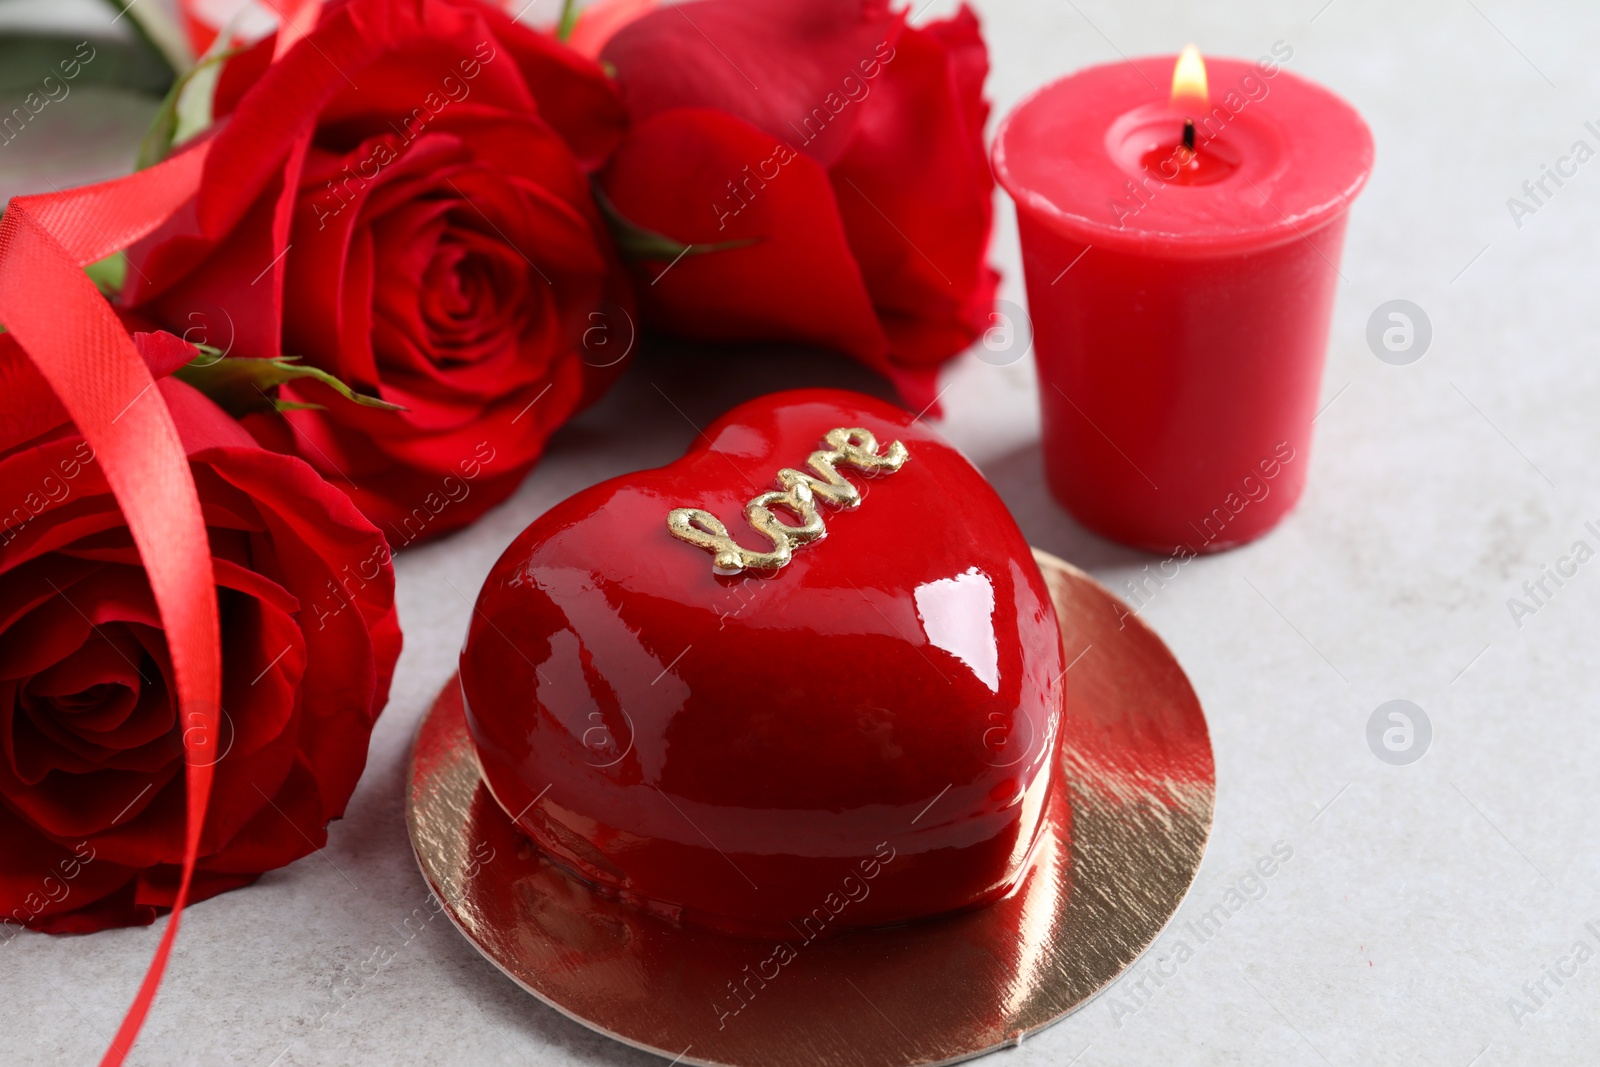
column 186, row 109
column 638, row 244
column 209, row 354
column 109, row 274
column 239, row 385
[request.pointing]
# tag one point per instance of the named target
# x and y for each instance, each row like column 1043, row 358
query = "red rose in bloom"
column 846, row 143
column 92, row 803
column 402, row 199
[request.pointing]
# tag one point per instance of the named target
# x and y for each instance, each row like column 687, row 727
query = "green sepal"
column 638, row 244
column 239, row 385
column 568, row 20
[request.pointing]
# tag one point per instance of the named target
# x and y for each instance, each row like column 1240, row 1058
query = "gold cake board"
column 1127, row 826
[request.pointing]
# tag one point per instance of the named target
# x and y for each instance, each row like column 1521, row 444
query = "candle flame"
column 1189, row 80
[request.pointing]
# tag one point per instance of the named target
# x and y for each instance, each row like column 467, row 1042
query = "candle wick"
column 1188, row 134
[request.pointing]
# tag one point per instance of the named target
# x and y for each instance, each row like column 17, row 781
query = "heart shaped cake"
column 805, row 678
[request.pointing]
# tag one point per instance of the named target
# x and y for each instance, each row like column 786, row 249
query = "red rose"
column 402, row 199
column 843, row 143
column 92, row 803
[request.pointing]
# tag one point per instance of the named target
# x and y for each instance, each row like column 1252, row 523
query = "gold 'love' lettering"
column 800, row 493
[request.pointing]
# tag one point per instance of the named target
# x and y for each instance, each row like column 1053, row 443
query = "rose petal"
column 798, row 282
column 777, row 64
column 289, row 823
column 920, row 242
column 41, row 878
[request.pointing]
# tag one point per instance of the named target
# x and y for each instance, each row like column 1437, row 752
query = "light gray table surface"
column 1419, row 899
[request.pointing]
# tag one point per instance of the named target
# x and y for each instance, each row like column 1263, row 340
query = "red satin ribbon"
column 82, row 349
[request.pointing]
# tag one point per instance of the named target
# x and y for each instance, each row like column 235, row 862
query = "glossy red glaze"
column 864, row 736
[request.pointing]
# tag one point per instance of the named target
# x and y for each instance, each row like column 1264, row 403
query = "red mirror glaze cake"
column 805, row 678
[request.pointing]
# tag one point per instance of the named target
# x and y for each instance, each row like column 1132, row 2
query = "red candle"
column 1181, row 249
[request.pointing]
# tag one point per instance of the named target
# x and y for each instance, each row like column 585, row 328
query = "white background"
column 1418, row 900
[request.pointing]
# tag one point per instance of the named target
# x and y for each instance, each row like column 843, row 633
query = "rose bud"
column 823, row 165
